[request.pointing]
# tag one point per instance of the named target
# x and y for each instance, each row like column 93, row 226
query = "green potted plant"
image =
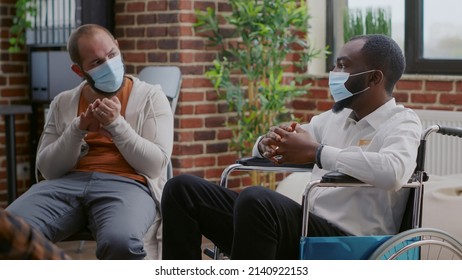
column 24, row 10
column 258, row 42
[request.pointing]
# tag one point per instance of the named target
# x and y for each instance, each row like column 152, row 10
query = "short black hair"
column 383, row 53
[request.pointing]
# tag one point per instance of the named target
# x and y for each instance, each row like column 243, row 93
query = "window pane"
column 442, row 29
column 396, row 8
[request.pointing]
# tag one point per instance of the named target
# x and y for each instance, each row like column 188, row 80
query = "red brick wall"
column 13, row 90
column 161, row 32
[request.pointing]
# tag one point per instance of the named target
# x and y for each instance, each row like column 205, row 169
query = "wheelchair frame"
column 397, row 245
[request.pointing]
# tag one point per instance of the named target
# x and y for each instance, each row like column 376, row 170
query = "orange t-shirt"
column 103, row 156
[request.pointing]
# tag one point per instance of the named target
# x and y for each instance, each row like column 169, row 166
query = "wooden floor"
column 86, row 251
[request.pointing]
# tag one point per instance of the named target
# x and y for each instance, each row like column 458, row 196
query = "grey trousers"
column 117, row 210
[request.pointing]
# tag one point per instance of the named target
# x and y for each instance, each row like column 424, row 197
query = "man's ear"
column 77, row 70
column 376, row 78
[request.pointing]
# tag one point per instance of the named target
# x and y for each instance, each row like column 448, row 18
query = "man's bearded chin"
column 91, row 82
column 342, row 104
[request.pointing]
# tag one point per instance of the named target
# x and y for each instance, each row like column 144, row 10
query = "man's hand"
column 88, row 121
column 107, row 110
column 289, row 144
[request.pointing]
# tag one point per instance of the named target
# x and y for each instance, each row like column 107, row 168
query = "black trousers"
column 256, row 223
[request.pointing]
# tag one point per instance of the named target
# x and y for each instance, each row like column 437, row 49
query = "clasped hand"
column 288, row 143
column 100, row 113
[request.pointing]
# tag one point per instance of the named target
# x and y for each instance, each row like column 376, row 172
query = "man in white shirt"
column 365, row 135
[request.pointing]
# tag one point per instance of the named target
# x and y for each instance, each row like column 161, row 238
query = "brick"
column 454, row 99
column 135, row 7
column 409, row 85
column 199, row 173
column 168, row 44
column 183, row 109
column 204, row 135
column 157, row 57
column 156, row 31
column 186, row 57
column 123, row 19
column 216, row 148
column 192, row 96
column 167, row 18
column 304, row 105
column 401, row 97
column 423, row 98
column 146, row 19
column 438, row 86
column 226, row 159
column 183, row 162
column 12, row 68
column 146, row 44
column 202, row 82
column 187, row 44
column 223, row 108
column 203, row 5
column 173, row 5
column 174, row 57
column 191, row 123
column 224, row 134
column 325, row 105
column 318, row 94
column 459, row 86
column 213, row 172
column 186, row 31
column 204, row 161
column 185, row 5
column 187, row 18
column 217, row 121
column 157, row 6
column 203, row 109
column 188, row 149
column 204, row 57
column 13, row 92
column 135, row 32
column 173, row 31
column 192, row 70
column 135, row 57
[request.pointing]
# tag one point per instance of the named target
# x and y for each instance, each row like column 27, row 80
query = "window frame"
column 413, row 42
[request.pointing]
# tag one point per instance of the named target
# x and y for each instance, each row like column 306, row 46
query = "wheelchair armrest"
column 256, row 161
column 337, row 177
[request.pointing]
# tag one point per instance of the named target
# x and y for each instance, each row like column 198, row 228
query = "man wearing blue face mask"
column 103, row 153
column 366, row 135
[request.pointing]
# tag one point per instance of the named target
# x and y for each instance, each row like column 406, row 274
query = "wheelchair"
column 412, row 242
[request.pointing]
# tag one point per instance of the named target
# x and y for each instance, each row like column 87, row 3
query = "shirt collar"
column 374, row 119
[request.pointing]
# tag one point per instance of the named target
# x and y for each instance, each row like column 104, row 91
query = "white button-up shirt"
column 380, row 150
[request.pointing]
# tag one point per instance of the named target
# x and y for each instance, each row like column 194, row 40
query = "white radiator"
column 444, row 153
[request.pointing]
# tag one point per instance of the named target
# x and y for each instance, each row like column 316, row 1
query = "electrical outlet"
column 23, row 170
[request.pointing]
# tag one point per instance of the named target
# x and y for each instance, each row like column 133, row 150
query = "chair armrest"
column 264, row 162
column 338, row 177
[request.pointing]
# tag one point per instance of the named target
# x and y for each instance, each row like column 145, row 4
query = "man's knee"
column 177, row 183
column 120, row 246
column 252, row 198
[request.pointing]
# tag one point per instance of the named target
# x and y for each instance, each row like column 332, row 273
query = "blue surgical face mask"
column 109, row 76
column 337, row 84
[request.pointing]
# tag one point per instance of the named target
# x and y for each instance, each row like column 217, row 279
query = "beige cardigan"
column 144, row 136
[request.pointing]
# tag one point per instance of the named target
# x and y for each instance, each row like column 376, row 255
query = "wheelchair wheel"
column 419, row 244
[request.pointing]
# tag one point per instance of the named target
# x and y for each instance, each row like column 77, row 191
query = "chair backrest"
column 169, row 78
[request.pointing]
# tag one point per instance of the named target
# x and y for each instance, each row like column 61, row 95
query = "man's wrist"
column 318, row 155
